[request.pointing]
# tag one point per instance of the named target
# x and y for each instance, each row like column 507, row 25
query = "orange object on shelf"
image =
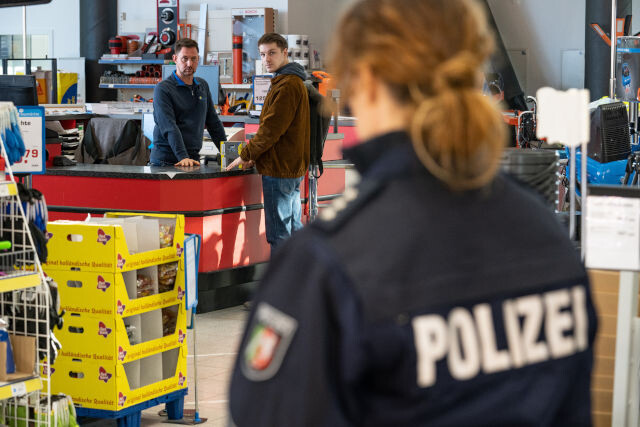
column 325, row 82
column 237, row 59
column 224, row 110
column 620, row 27
column 184, row 31
column 125, row 42
column 132, row 46
column 115, row 45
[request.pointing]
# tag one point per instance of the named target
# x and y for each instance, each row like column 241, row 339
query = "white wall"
column 317, row 19
column 312, row 17
column 544, row 28
column 145, row 10
column 59, row 19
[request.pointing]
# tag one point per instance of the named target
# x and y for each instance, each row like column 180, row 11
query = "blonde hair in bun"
column 429, row 53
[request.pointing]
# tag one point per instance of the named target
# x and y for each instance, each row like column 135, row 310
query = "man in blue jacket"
column 182, row 107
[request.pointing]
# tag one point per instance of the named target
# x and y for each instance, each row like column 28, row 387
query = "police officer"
column 438, row 292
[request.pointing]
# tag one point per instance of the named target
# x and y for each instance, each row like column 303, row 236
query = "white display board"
column 613, row 232
column 261, row 86
column 31, row 121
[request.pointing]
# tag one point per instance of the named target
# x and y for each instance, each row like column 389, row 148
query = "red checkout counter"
column 225, row 208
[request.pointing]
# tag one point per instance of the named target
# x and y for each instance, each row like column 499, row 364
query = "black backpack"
column 319, row 125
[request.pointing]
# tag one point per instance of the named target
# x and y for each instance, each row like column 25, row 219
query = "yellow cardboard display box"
column 102, row 247
column 113, row 294
column 106, row 338
column 113, row 387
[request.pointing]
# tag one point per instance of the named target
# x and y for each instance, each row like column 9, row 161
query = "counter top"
column 87, row 116
column 237, row 119
column 256, row 120
column 145, row 172
column 70, row 116
column 138, row 116
column 347, row 122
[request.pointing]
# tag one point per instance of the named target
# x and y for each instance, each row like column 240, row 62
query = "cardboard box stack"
column 24, row 357
column 604, row 285
column 121, row 281
column 67, row 87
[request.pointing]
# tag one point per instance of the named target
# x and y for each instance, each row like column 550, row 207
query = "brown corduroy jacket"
column 280, row 148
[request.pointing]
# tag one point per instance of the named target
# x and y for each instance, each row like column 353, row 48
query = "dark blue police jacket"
column 412, row 305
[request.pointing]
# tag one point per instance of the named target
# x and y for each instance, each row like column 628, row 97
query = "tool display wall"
column 168, row 16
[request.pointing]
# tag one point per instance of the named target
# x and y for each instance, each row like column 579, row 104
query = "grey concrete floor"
column 218, row 335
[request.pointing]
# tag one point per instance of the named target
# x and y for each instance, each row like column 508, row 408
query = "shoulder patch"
column 270, row 335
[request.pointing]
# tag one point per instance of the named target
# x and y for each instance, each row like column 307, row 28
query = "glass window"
column 37, row 47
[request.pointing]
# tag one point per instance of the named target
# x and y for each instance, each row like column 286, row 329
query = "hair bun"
column 458, row 72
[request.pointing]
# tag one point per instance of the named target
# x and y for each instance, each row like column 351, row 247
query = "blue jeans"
column 282, row 208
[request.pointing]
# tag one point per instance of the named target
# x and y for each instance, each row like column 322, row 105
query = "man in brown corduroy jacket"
column 280, row 148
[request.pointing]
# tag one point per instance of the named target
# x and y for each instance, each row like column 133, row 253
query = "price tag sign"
column 4, row 190
column 613, row 233
column 261, row 86
column 31, row 121
column 18, row 389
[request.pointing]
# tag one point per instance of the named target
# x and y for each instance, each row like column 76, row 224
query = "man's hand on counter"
column 239, row 161
column 187, row 163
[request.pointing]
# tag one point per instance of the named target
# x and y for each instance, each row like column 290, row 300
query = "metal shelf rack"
column 25, row 301
column 125, row 86
column 131, row 61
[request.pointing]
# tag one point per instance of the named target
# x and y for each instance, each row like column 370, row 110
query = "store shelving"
column 22, row 278
column 25, row 301
column 20, row 388
column 8, row 188
column 227, row 86
column 126, row 91
column 132, row 61
column 126, row 86
column 16, row 281
column 241, row 86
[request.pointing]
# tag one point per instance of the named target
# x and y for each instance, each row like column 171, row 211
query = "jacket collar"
column 293, row 69
column 181, row 83
column 364, row 156
column 391, row 155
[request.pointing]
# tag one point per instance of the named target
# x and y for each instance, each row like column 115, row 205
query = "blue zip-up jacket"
column 181, row 113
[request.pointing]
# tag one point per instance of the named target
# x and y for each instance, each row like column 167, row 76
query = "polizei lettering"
column 535, row 328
